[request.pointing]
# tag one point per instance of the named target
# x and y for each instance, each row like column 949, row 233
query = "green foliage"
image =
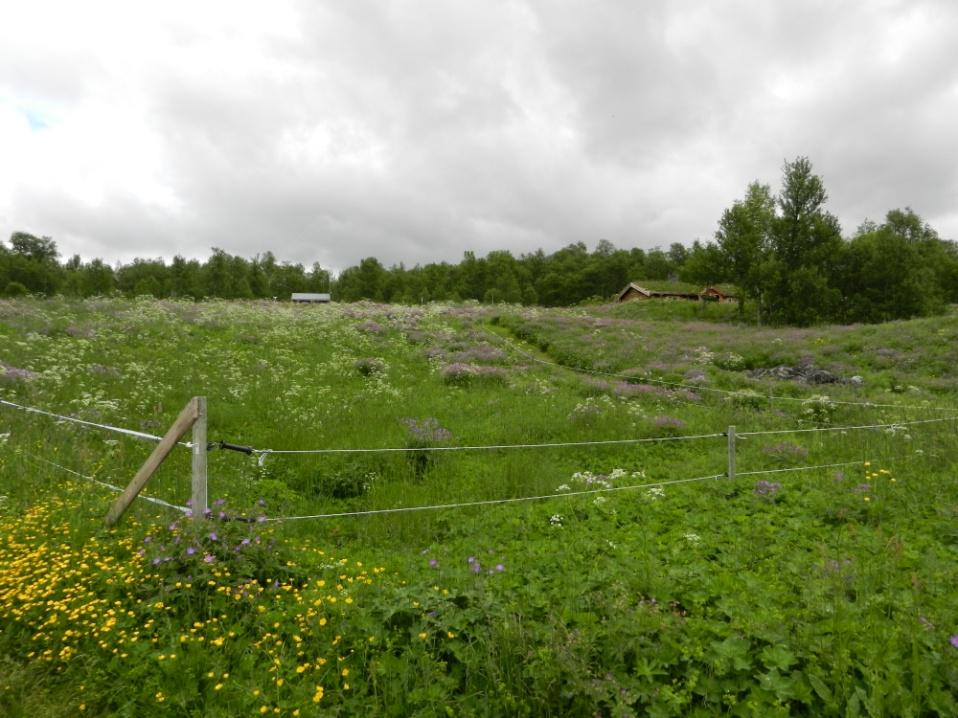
column 812, row 592
column 787, row 254
column 15, row 289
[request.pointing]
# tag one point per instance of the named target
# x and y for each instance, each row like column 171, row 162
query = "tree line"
column 785, row 253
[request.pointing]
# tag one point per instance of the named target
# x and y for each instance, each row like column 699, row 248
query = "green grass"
column 820, row 592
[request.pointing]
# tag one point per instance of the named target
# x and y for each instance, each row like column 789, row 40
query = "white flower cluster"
column 655, row 492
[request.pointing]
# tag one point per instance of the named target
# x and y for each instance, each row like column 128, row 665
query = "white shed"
column 307, row 298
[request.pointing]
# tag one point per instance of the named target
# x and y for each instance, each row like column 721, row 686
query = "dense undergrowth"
column 824, row 591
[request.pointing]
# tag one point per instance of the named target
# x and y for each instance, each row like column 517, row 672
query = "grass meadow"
column 593, row 579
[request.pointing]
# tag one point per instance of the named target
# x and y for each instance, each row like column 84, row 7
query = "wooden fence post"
column 199, row 497
column 183, row 422
column 731, row 452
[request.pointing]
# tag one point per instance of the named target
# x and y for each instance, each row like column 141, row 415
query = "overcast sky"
column 412, row 131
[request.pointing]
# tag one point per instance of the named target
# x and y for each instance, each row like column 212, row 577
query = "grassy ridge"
column 814, row 592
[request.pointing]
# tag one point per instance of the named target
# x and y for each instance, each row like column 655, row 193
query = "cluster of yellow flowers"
column 73, row 595
column 875, row 475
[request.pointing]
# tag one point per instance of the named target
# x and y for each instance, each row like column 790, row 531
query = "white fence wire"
column 263, row 453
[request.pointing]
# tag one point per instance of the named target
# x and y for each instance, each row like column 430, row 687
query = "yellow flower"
column 159, row 697
column 218, row 687
column 318, row 695
column 345, row 672
column 264, row 709
column 424, row 635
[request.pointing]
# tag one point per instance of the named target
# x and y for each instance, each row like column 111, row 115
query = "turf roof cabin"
column 674, row 290
column 306, row 298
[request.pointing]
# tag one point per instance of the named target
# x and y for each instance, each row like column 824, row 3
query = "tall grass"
column 821, row 591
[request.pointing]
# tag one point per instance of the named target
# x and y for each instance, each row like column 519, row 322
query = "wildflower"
column 209, row 558
column 692, row 537
column 500, row 568
column 555, row 520
column 954, row 640
column 159, row 697
column 433, row 563
column 767, row 488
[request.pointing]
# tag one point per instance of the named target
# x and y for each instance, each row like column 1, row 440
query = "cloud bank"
column 411, row 132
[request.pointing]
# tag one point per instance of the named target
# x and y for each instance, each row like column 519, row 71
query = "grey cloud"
column 414, row 133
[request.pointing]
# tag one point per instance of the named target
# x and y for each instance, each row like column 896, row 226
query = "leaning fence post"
column 199, row 499
column 731, row 452
column 183, row 422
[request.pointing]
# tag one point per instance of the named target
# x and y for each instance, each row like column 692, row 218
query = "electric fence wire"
column 892, row 426
column 545, row 497
column 263, row 453
column 489, row 447
column 104, row 484
column 90, row 424
column 798, row 468
column 493, row 502
column 698, row 388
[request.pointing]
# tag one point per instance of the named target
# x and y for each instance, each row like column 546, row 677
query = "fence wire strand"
column 111, row 487
column 492, row 502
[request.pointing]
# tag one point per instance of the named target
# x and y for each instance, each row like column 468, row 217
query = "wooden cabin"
column 635, row 291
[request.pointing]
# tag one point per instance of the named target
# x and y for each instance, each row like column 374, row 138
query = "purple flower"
column 156, row 561
column 500, row 568
column 190, row 551
column 261, row 519
column 244, row 542
column 173, row 526
column 147, row 539
column 222, row 516
column 209, row 558
column 426, row 432
column 471, row 559
column 476, row 567
column 954, row 640
column 433, row 563
column 669, row 422
column 767, row 488
column 214, row 537
column 219, row 502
